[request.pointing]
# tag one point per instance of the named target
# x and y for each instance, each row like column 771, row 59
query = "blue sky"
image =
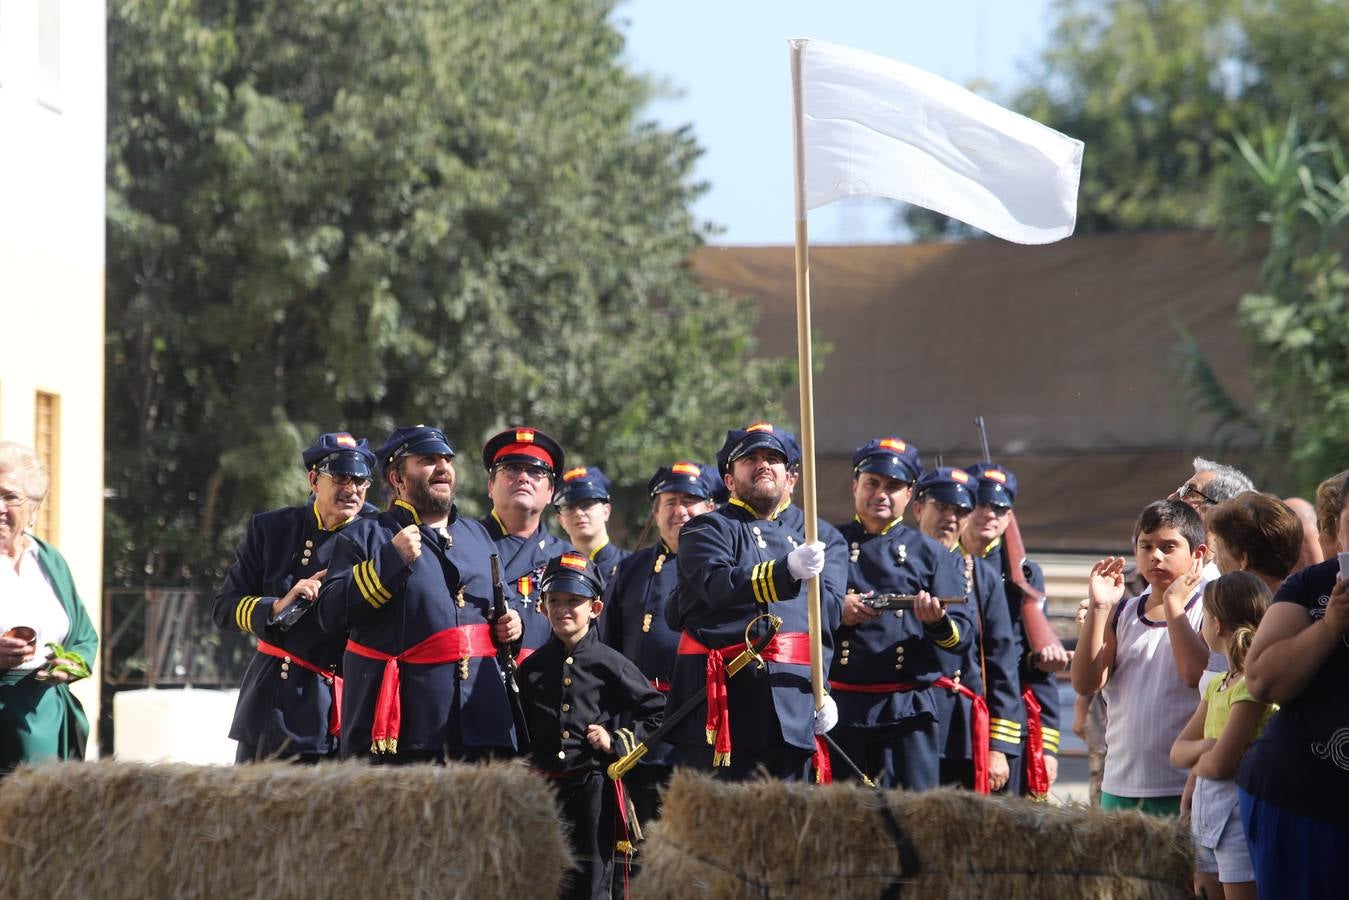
column 729, row 61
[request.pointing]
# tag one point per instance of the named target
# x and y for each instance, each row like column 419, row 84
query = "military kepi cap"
column 694, row 479
column 339, row 454
column 888, row 456
column 996, row 484
column 410, row 440
column 947, row 484
column 572, row 572
column 742, row 441
column 522, row 445
column 582, row 483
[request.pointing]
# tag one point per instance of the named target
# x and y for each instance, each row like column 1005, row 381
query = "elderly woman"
column 46, row 638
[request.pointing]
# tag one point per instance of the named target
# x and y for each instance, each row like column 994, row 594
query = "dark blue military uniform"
column 566, row 691
column 634, row 623
column 1043, row 685
column 523, row 558
column 997, row 486
column 733, row 567
column 522, row 563
column 285, row 706
column 989, row 667
column 891, row 719
column 454, row 708
column 895, row 735
column 578, row 485
column 607, row 558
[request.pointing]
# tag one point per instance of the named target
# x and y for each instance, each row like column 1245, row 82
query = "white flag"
column 875, row 127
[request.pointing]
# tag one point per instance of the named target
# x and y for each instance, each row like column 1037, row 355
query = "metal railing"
column 164, row 637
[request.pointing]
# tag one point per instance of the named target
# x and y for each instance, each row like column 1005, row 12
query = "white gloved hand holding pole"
column 806, row 561
column 826, row 717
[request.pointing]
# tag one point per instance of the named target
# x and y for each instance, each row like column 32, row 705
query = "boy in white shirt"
column 1124, row 648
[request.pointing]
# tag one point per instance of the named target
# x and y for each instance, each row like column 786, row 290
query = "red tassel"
column 1037, row 777
column 388, row 715
column 824, row 763
column 718, row 713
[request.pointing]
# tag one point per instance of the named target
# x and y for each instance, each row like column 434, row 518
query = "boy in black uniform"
column 286, row 706
column 586, row 704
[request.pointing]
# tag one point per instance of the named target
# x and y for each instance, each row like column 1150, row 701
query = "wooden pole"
column 803, row 353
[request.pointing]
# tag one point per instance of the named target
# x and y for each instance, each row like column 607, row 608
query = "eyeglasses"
column 342, row 480
column 581, row 505
column 998, row 511
column 1188, row 493
column 515, row 470
column 13, row 500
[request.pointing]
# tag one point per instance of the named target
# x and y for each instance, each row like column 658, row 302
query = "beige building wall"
column 53, row 112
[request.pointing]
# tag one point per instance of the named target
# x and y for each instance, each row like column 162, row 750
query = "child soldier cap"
column 948, row 485
column 522, row 445
column 338, row 453
column 582, row 483
column 996, row 484
column 694, row 479
column 571, row 572
column 889, row 456
column 759, row 434
column 411, row 440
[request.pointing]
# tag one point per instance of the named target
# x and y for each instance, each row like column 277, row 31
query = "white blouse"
column 27, row 598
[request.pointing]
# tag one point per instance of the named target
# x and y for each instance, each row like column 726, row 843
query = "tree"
column 1298, row 190
column 1156, row 88
column 353, row 214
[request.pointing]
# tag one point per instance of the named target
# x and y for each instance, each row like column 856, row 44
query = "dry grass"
column 113, row 830
column 769, row 839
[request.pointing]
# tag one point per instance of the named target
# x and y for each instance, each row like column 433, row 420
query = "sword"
column 625, row 763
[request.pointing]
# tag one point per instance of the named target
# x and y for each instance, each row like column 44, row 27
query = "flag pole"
column 807, row 374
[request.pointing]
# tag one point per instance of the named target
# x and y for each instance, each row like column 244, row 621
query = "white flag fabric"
column 876, row 127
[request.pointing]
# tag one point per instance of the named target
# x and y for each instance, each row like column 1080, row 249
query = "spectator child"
column 1124, row 649
column 1227, row 719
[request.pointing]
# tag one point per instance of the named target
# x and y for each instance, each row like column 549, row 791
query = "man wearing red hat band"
column 522, row 466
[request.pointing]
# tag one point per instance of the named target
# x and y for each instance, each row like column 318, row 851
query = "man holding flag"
column 738, row 563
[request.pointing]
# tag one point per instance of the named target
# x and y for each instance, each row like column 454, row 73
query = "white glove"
column 826, row 717
column 806, row 561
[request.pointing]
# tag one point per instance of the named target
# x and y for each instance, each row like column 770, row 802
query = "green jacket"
column 41, row 720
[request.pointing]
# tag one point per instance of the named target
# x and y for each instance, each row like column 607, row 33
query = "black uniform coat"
column 390, row 606
column 522, row 562
column 997, row 677
column 280, row 716
column 732, row 567
column 594, row 684
column 896, row 647
column 1044, row 685
column 607, row 558
column 633, row 621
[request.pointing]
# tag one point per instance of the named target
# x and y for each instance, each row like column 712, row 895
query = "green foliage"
column 1156, row 87
column 1298, row 322
column 330, row 214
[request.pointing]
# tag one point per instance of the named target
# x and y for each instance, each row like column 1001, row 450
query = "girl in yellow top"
column 1227, row 720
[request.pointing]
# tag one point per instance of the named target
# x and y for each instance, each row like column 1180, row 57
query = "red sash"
column 450, row 645
column 979, row 722
column 792, row 648
column 334, row 682
column 661, row 685
column 1037, row 777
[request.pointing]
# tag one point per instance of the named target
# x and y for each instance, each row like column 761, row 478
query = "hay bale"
column 114, row 830
column 769, row 839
